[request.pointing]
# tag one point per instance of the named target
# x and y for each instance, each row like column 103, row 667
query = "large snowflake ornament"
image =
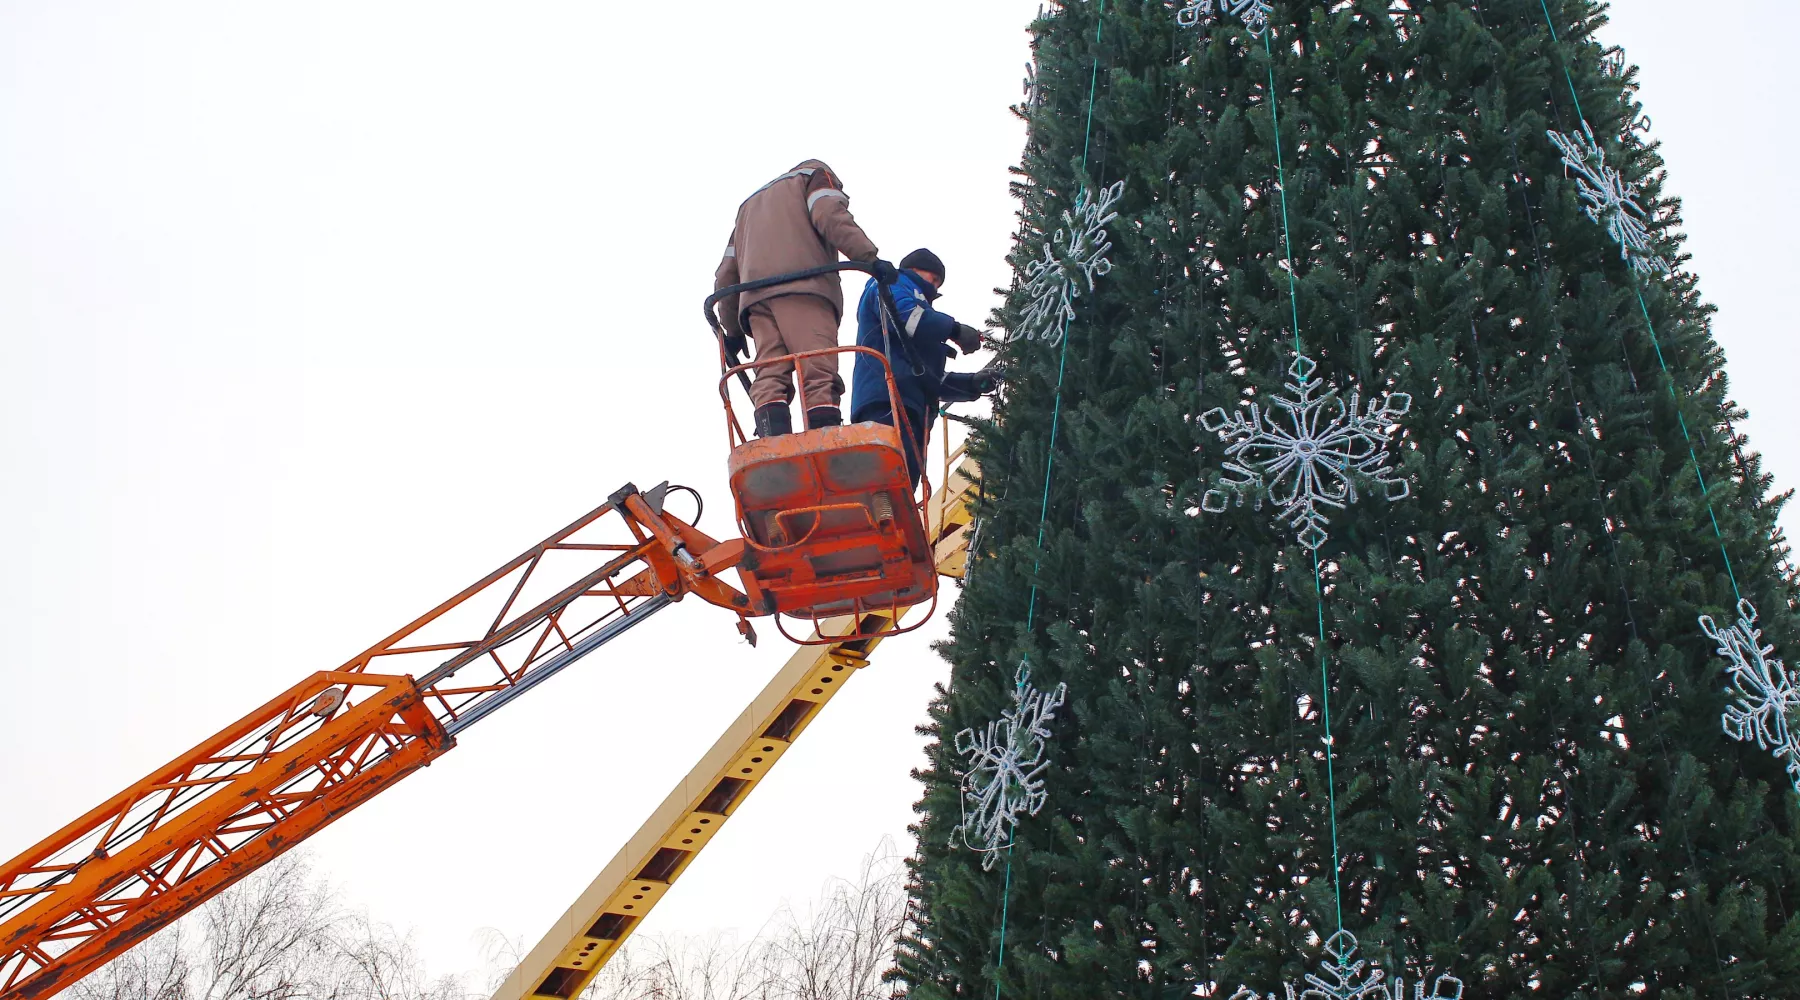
column 1005, row 774
column 1074, row 256
column 1034, row 88
column 1766, row 694
column 1346, row 977
column 1306, row 451
column 1608, row 199
column 1253, row 13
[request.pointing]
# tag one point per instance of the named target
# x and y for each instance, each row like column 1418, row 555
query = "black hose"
column 699, row 504
column 712, row 300
column 712, row 318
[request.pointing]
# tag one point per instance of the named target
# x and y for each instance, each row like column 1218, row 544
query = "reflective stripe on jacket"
column 917, row 350
column 797, row 221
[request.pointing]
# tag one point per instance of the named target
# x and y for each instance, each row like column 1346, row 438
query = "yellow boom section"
column 591, row 932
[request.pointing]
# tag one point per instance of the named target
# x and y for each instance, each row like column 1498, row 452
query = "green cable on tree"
column 1004, row 777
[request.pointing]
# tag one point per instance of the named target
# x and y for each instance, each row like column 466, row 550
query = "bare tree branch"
column 280, row 934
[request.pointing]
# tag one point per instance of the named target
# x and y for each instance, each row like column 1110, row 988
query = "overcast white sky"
column 312, row 314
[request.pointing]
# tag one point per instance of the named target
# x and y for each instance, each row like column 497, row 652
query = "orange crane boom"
column 209, row 817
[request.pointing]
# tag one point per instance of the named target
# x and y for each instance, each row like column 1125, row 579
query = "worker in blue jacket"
column 918, row 343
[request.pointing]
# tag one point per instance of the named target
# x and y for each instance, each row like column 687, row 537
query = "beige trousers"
column 790, row 324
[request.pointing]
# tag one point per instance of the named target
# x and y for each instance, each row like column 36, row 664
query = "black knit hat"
column 924, row 260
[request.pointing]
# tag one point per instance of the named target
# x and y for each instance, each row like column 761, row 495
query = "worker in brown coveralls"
column 797, row 221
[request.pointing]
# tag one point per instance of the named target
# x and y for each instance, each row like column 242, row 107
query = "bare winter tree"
column 280, row 934
column 842, row 949
column 267, row 937
column 374, row 962
column 283, row 934
column 158, row 969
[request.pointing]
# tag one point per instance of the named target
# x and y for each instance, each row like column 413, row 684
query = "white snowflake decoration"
column 1005, row 775
column 1766, row 693
column 1074, row 256
column 1197, row 12
column 1345, row 977
column 1034, row 88
column 1253, row 13
column 1608, row 200
column 1305, row 452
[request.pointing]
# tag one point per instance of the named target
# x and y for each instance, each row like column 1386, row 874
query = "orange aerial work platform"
column 830, row 520
column 830, row 514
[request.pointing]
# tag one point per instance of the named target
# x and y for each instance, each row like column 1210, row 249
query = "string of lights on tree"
column 1004, row 777
column 1765, row 702
column 1304, row 453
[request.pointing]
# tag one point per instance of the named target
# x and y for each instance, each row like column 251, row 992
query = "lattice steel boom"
column 196, row 825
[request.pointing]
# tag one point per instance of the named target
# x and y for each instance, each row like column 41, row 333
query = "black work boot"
column 823, row 416
column 774, row 420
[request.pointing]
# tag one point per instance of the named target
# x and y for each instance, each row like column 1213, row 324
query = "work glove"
column 736, row 347
column 968, row 338
column 966, row 387
column 885, row 272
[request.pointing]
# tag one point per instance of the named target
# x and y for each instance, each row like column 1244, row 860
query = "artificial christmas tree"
column 1350, row 476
